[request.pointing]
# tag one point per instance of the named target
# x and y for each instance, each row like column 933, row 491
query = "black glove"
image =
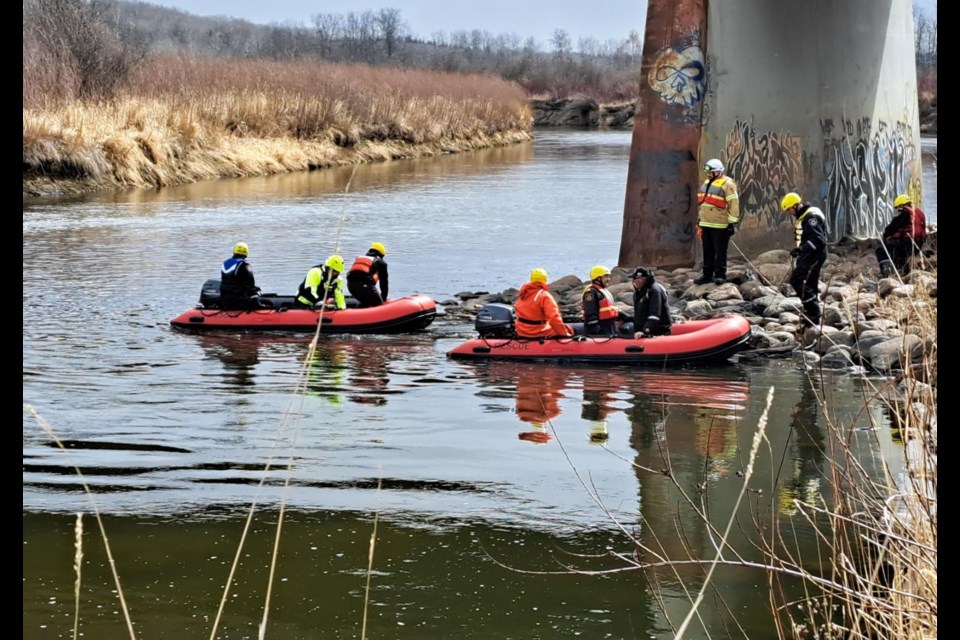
column 731, row 229
column 794, row 252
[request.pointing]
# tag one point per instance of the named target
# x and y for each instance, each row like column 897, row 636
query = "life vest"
column 608, row 308
column 711, row 192
column 811, row 211
column 231, row 266
column 235, row 283
column 364, row 264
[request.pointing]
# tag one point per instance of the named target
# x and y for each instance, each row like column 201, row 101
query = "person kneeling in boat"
column 321, row 282
column 366, row 273
column 650, row 309
column 538, row 315
column 600, row 313
column 238, row 289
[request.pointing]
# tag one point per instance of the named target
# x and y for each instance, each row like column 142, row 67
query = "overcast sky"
column 600, row 19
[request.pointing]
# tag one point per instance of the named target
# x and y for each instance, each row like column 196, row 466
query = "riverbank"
column 187, row 120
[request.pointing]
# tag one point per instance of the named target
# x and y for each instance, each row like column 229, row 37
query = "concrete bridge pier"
column 818, row 98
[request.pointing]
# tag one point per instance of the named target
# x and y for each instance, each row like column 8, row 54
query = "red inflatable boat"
column 694, row 341
column 402, row 315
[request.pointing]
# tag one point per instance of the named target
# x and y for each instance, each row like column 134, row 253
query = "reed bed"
column 186, row 119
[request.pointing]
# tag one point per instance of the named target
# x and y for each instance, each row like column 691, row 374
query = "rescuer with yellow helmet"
column 810, row 253
column 238, row 288
column 903, row 238
column 600, row 312
column 366, row 273
column 538, row 315
column 718, row 213
column 321, row 282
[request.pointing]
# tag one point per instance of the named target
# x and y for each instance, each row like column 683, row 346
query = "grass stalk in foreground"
column 96, row 512
column 77, row 565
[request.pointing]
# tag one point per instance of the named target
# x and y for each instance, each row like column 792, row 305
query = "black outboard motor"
column 210, row 294
column 496, row 320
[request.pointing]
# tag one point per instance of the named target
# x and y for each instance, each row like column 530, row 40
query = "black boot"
column 885, row 268
column 706, row 278
column 811, row 313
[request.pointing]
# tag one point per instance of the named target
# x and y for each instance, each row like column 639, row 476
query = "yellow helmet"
column 241, row 249
column 379, row 248
column 901, row 200
column 790, row 200
column 538, row 275
column 599, row 271
column 334, row 262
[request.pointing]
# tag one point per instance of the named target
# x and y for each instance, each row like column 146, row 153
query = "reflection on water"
column 808, row 442
column 174, row 432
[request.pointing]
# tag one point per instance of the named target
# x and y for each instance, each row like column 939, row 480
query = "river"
column 486, row 487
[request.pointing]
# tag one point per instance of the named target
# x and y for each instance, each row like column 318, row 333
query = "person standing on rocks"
column 810, row 254
column 717, row 218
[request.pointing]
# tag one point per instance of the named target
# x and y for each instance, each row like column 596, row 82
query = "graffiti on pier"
column 765, row 166
column 865, row 166
column 678, row 74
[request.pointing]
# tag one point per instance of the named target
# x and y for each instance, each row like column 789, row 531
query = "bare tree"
column 328, row 28
column 924, row 36
column 561, row 43
column 80, row 37
column 392, row 28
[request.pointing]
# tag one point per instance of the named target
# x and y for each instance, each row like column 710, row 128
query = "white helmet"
column 713, row 165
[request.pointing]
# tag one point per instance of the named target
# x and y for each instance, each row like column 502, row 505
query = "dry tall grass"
column 185, row 120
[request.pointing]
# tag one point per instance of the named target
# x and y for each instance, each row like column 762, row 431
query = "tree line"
column 88, row 48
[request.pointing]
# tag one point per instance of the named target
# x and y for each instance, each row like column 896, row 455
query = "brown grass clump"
column 185, row 120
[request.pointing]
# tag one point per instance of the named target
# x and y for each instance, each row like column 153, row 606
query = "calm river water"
column 483, row 510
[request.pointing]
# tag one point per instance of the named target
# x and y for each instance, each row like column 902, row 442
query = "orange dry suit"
column 538, row 315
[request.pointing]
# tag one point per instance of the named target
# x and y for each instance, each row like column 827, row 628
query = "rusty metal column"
column 659, row 214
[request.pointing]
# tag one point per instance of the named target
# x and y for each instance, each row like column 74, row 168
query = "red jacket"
column 538, row 315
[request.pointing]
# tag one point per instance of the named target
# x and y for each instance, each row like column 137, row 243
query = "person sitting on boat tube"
column 366, row 272
column 651, row 312
column 321, row 282
column 538, row 315
column 238, row 289
column 600, row 312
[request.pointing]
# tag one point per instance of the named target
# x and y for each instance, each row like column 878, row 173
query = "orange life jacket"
column 608, row 308
column 711, row 192
column 364, row 264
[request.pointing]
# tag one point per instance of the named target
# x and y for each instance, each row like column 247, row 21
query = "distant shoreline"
column 588, row 113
